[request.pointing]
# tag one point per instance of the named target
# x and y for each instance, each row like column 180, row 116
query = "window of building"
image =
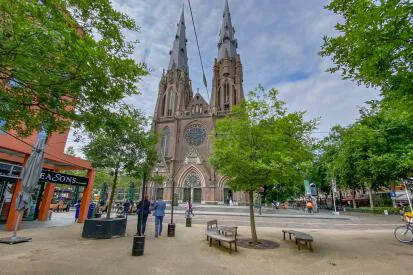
column 165, row 141
column 234, row 95
column 170, row 103
column 14, row 83
column 226, row 93
column 219, row 99
column 226, row 96
column 163, row 105
column 2, row 126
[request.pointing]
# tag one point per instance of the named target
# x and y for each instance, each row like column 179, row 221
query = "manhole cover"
column 262, row 244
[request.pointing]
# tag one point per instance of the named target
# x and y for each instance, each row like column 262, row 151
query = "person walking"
column 142, row 210
column 309, row 206
column 126, row 206
column 188, row 209
column 159, row 212
column 77, row 206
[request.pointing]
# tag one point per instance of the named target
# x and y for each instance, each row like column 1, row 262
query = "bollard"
column 171, row 230
column 188, row 222
column 138, row 245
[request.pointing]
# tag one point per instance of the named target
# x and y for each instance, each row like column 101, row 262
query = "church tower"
column 184, row 122
column 227, row 79
column 175, row 91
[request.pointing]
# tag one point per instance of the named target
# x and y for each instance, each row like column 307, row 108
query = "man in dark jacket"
column 126, row 206
column 142, row 210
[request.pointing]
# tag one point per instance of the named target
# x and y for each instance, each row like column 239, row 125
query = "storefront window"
column 5, row 169
column 16, row 171
column 6, row 194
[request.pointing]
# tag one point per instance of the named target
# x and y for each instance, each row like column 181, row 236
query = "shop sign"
column 60, row 178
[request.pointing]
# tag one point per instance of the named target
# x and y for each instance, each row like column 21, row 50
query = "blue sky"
column 278, row 41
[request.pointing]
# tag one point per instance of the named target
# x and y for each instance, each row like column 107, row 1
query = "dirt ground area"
column 61, row 250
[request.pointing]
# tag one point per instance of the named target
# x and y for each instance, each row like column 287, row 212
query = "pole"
column 333, row 187
column 142, row 201
column 408, row 197
column 171, row 226
column 172, row 203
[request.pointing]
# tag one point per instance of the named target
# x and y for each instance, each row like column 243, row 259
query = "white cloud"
column 278, row 42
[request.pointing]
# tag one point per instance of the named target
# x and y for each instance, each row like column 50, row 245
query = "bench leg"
column 311, row 246
column 284, row 235
column 210, row 241
column 235, row 245
column 230, row 248
column 290, row 236
column 219, row 243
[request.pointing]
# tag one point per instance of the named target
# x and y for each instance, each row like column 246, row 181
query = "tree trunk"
column 252, row 219
column 112, row 193
column 354, row 198
column 370, row 197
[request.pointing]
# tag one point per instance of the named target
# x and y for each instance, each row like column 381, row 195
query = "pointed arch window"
column 219, row 99
column 234, row 96
column 170, row 103
column 226, row 95
column 165, row 141
column 163, row 105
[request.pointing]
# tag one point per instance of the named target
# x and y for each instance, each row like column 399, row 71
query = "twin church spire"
column 175, row 91
column 227, row 44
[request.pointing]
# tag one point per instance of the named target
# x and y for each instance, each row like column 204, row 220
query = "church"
column 184, row 121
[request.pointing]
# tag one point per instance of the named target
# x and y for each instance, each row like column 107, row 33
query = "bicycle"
column 404, row 233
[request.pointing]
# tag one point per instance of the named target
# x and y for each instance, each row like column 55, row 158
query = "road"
column 353, row 222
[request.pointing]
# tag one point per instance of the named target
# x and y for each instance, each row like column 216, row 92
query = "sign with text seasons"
column 60, row 178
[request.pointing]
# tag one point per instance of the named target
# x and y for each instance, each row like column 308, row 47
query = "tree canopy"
column 374, row 47
column 63, row 61
column 123, row 145
column 375, row 43
column 261, row 144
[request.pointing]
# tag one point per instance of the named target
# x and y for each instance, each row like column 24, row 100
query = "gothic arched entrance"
column 191, row 186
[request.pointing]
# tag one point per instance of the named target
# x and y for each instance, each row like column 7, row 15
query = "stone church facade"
column 184, row 121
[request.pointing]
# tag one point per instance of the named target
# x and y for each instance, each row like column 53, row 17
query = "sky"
column 278, row 41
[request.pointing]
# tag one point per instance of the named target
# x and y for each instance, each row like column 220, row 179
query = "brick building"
column 184, row 120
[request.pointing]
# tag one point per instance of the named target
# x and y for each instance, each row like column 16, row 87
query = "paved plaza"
column 358, row 244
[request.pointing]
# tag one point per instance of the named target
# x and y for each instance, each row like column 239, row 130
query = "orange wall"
column 54, row 149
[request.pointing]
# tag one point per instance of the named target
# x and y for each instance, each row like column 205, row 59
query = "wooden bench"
column 221, row 234
column 300, row 238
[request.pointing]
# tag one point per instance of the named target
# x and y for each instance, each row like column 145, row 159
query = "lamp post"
column 139, row 241
column 171, row 225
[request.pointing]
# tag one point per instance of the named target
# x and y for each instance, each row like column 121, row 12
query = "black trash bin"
column 188, row 222
column 171, row 230
column 138, row 245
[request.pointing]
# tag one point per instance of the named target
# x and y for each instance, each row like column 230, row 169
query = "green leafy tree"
column 123, row 146
column 63, row 61
column 374, row 45
column 261, row 144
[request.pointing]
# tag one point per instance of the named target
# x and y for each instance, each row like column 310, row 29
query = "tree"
column 375, row 44
column 63, row 61
column 122, row 146
column 261, row 144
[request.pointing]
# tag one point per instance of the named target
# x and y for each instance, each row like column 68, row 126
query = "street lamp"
column 171, row 225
